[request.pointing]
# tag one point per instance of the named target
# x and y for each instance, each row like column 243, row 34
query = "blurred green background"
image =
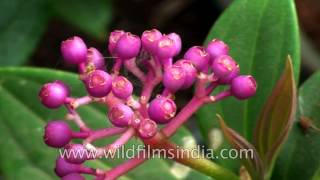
column 31, row 31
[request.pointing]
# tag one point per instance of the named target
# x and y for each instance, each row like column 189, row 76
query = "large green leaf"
column 261, row 34
column 22, row 119
column 21, row 26
column 299, row 158
column 90, row 16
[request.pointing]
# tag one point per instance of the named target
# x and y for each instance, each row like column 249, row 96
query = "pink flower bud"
column 150, row 40
column 98, row 83
column 121, row 115
column 74, row 50
column 190, row 72
column 166, row 47
column 243, row 87
column 174, row 78
column 128, row 46
column 122, row 87
column 64, row 168
column 217, row 48
column 57, row 134
column 53, row 95
column 162, row 109
column 113, row 40
column 147, row 129
column 198, row 56
column 95, row 59
column 223, row 66
column 177, row 42
column 77, row 153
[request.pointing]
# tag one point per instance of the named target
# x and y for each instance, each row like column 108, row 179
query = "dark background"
column 192, row 19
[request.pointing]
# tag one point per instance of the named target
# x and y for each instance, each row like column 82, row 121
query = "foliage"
column 23, row 24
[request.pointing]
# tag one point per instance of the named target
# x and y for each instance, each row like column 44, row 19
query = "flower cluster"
column 206, row 67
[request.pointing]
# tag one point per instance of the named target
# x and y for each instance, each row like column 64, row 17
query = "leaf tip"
column 221, row 121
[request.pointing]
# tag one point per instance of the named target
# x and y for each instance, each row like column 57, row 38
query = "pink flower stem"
column 149, row 64
column 131, row 66
column 180, row 155
column 122, row 169
column 147, row 91
column 80, row 135
column 87, row 170
column 156, row 66
column 126, row 135
column 211, row 87
column 103, row 133
column 117, row 66
column 82, row 68
column 194, row 104
column 166, row 63
column 77, row 119
column 218, row 97
column 201, row 84
column 200, row 90
column 153, row 78
column 110, row 100
column 76, row 102
column 123, row 139
column 167, row 93
column 145, row 97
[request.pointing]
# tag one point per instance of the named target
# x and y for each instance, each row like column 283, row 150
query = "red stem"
column 123, row 139
column 153, row 78
column 82, row 101
column 194, row 104
column 201, row 164
column 110, row 100
column 80, row 135
column 103, row 133
column 131, row 66
column 117, row 66
column 77, row 119
column 125, row 167
column 87, row 170
column 211, row 87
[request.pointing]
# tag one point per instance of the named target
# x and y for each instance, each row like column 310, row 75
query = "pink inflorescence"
column 129, row 115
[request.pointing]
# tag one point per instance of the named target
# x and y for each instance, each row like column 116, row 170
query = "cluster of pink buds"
column 206, row 67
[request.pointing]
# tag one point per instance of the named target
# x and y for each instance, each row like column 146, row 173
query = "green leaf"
column 276, row 119
column 317, row 175
column 253, row 164
column 21, row 26
column 22, row 119
column 92, row 17
column 299, row 158
column 260, row 33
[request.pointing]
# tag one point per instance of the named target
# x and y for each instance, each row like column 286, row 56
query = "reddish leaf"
column 253, row 165
column 276, row 118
